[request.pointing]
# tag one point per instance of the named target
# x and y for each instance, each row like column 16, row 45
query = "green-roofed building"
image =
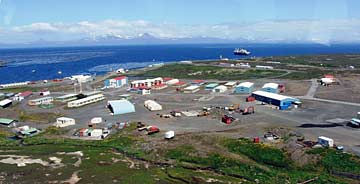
column 29, row 131
column 211, row 86
column 5, row 121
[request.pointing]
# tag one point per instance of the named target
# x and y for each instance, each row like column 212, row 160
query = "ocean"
column 32, row 64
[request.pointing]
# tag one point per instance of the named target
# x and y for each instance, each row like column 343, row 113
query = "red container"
column 257, row 140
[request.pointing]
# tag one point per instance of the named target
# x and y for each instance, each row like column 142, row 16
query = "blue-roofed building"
column 271, row 88
column 245, row 87
column 283, row 102
column 211, row 86
column 118, row 107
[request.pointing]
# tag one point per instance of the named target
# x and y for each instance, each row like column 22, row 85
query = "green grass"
column 260, row 153
column 187, row 71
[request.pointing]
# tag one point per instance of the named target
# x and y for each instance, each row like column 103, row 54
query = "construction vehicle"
column 234, row 107
column 281, row 88
column 175, row 114
column 203, row 113
column 165, row 116
column 227, row 119
column 250, row 99
column 248, row 110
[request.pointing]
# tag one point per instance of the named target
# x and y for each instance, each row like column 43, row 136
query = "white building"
column 66, row 98
column 192, row 89
column 152, row 105
column 219, row 89
column 64, row 122
column 326, row 142
column 40, row 101
column 45, row 93
column 82, row 78
column 172, row 82
column 86, row 101
column 230, row 84
column 13, row 85
column 147, row 83
column 264, row 67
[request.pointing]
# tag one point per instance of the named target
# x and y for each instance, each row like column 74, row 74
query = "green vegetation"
column 260, row 153
column 237, row 161
column 187, row 71
column 38, row 117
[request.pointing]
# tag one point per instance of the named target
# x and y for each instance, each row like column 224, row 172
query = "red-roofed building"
column 180, row 84
column 198, row 82
column 26, row 94
column 21, row 96
column 167, row 79
column 329, row 76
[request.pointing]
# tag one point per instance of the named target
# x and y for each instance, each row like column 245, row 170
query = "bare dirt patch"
column 297, row 88
column 348, row 90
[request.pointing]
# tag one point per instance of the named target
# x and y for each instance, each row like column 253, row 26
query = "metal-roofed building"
column 5, row 121
column 211, row 86
column 245, row 87
column 283, row 102
column 271, row 87
column 118, row 107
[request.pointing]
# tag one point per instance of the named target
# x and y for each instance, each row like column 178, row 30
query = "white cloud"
column 322, row 31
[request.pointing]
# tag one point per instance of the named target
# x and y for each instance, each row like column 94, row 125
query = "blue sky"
column 49, row 19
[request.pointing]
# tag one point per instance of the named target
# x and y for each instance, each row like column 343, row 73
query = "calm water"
column 74, row 60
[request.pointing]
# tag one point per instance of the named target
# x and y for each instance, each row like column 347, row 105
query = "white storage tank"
column 96, row 120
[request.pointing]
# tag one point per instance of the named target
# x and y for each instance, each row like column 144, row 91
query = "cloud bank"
column 320, row 31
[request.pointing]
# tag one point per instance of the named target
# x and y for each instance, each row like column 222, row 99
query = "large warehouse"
column 118, row 107
column 283, row 102
column 245, row 87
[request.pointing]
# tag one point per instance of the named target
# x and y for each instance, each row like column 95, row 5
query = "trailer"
column 326, row 142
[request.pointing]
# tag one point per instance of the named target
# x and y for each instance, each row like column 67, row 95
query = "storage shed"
column 230, row 84
column 5, row 121
column 271, row 87
column 283, row 102
column 191, row 89
column 64, row 122
column 211, row 86
column 5, row 103
column 245, row 87
column 152, row 105
column 118, row 107
column 219, row 89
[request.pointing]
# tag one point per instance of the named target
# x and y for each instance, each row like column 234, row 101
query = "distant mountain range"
column 143, row 39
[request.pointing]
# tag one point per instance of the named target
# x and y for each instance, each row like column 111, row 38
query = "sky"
column 57, row 20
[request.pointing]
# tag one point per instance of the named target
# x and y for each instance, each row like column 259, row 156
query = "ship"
column 239, row 51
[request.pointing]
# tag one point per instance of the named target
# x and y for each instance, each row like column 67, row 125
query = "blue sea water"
column 74, row 60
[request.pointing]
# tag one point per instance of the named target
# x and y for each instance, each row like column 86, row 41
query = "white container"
column 96, row 120
column 325, row 141
column 358, row 115
column 169, row 134
column 96, row 133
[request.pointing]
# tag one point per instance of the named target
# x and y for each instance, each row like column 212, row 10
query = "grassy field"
column 126, row 158
column 186, row 71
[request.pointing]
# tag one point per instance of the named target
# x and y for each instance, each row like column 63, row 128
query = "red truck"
column 227, row 119
column 281, row 88
column 250, row 99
